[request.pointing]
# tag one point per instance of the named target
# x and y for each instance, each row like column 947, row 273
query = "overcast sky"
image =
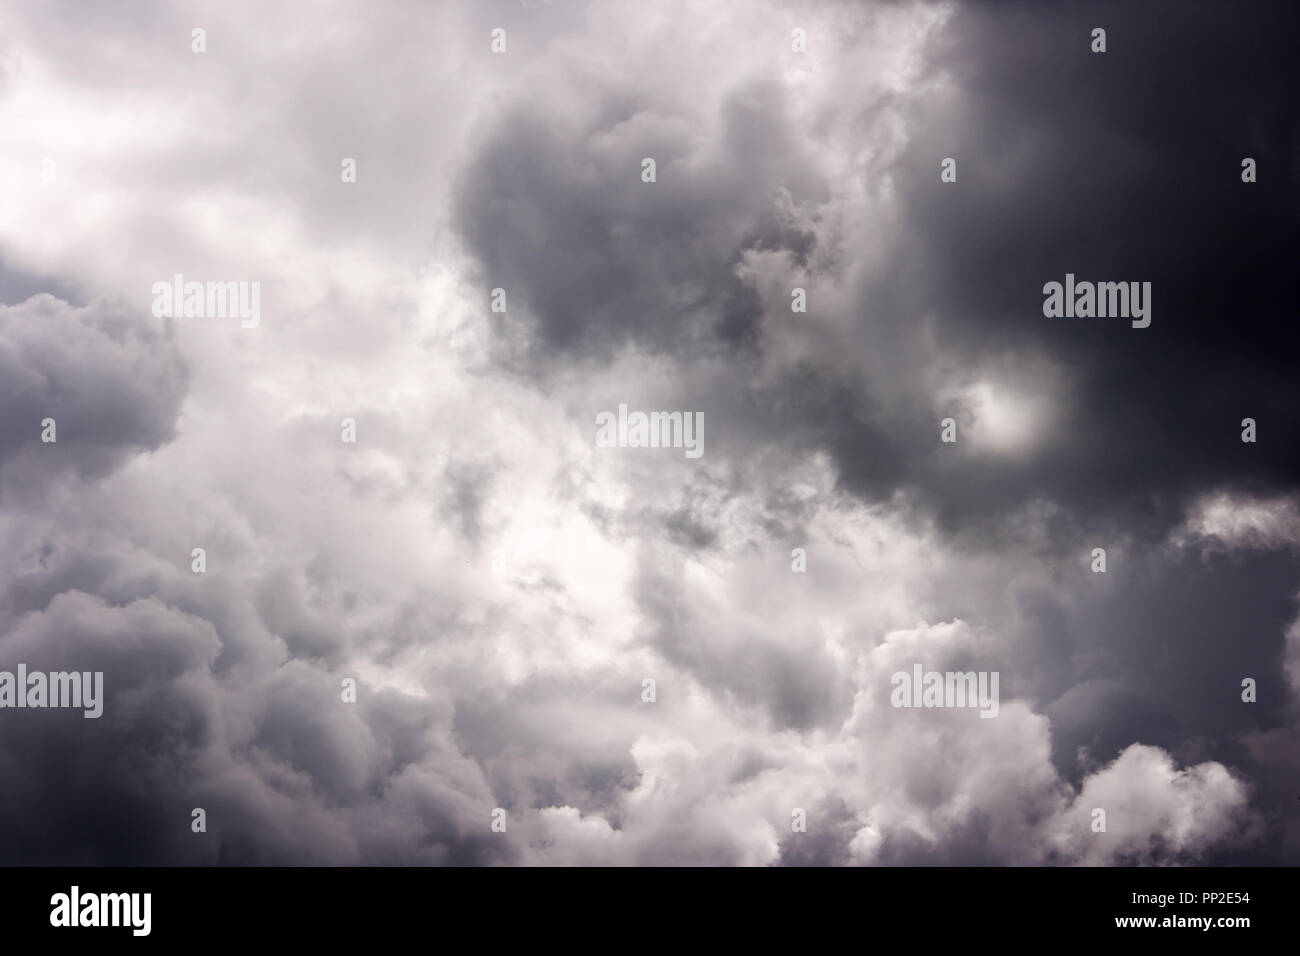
column 500, row 586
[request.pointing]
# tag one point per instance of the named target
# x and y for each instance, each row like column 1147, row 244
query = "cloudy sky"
column 498, row 585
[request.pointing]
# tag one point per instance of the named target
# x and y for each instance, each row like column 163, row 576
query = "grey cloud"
column 521, row 689
column 112, row 384
column 557, row 214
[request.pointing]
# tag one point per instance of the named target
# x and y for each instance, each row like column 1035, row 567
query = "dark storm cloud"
column 557, row 214
column 1126, row 165
column 1155, row 651
column 1116, row 166
column 223, row 689
column 201, row 707
column 286, row 772
column 112, row 383
column 826, row 843
column 109, row 789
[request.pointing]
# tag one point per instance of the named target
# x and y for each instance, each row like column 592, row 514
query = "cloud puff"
column 111, row 382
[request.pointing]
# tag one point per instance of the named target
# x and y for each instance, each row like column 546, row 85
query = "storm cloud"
column 642, row 658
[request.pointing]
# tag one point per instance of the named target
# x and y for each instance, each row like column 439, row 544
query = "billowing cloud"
column 640, row 657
